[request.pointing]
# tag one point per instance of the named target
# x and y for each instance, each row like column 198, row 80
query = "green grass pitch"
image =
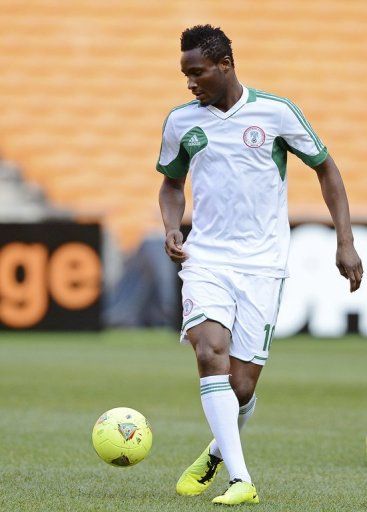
column 305, row 446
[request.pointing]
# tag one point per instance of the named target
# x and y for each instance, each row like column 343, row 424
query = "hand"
column 349, row 265
column 173, row 246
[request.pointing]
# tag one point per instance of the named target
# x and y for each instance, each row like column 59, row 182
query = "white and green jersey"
column 237, row 161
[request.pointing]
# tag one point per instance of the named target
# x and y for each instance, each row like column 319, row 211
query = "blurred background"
column 84, row 89
column 85, row 86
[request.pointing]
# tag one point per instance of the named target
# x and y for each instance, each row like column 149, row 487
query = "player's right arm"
column 173, row 162
column 172, row 204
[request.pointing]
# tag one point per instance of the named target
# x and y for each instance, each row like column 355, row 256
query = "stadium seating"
column 23, row 201
column 86, row 85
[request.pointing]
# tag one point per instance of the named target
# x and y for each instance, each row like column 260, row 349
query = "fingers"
column 177, row 255
column 342, row 271
column 173, row 250
column 173, row 247
column 355, row 278
column 350, row 266
column 358, row 279
column 352, row 281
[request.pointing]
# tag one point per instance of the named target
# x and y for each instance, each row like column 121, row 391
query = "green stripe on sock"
column 216, row 386
column 216, row 390
column 245, row 411
column 223, row 383
column 242, row 413
column 248, row 407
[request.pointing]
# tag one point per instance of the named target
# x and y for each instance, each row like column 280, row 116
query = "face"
column 205, row 79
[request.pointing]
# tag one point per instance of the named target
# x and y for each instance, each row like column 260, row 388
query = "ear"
column 225, row 64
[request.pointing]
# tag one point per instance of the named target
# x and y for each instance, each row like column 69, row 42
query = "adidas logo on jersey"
column 194, row 141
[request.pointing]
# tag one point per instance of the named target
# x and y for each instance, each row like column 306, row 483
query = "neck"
column 231, row 96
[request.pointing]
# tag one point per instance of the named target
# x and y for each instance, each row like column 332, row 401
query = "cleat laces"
column 212, row 464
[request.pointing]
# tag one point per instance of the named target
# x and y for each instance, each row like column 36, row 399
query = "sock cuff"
column 249, row 406
column 214, row 379
column 214, row 383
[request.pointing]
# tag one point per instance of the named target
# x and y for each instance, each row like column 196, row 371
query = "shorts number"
column 269, row 333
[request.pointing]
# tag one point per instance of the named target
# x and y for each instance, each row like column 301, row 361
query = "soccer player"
column 235, row 139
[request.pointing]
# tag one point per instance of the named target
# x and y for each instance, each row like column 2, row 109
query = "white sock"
column 221, row 409
column 245, row 413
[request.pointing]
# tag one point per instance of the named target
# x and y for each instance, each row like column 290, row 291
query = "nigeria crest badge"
column 187, row 307
column 254, row 137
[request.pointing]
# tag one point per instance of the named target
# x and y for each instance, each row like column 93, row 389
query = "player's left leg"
column 258, row 301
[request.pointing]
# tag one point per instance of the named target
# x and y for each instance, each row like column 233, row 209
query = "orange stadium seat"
column 86, row 86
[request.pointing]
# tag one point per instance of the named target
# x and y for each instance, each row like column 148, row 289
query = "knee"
column 211, row 341
column 212, row 358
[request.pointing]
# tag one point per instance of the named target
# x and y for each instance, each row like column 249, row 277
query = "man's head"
column 207, row 62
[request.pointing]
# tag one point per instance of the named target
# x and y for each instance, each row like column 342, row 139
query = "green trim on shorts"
column 191, row 320
column 261, row 358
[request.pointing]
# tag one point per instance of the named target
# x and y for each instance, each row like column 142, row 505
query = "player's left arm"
column 333, row 191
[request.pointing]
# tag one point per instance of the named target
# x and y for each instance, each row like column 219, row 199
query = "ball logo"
column 254, row 137
column 187, row 307
column 101, row 419
column 127, row 430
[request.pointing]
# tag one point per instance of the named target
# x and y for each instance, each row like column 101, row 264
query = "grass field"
column 305, row 446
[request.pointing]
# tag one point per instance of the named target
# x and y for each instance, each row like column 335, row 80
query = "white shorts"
column 247, row 305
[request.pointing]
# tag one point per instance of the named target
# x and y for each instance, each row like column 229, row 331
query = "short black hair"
column 212, row 41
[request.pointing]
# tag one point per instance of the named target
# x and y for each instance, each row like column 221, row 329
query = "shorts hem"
column 196, row 320
column 259, row 360
column 191, row 322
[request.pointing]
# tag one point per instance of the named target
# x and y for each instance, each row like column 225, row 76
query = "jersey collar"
column 240, row 103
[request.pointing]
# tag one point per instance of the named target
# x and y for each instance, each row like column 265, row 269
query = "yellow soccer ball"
column 122, row 437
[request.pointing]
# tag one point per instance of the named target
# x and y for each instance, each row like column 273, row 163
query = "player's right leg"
column 198, row 477
column 208, row 310
column 244, row 377
column 211, row 342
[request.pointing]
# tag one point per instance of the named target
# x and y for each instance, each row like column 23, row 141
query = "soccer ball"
column 122, row 437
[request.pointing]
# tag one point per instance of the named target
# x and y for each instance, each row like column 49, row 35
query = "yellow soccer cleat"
column 238, row 492
column 198, row 477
